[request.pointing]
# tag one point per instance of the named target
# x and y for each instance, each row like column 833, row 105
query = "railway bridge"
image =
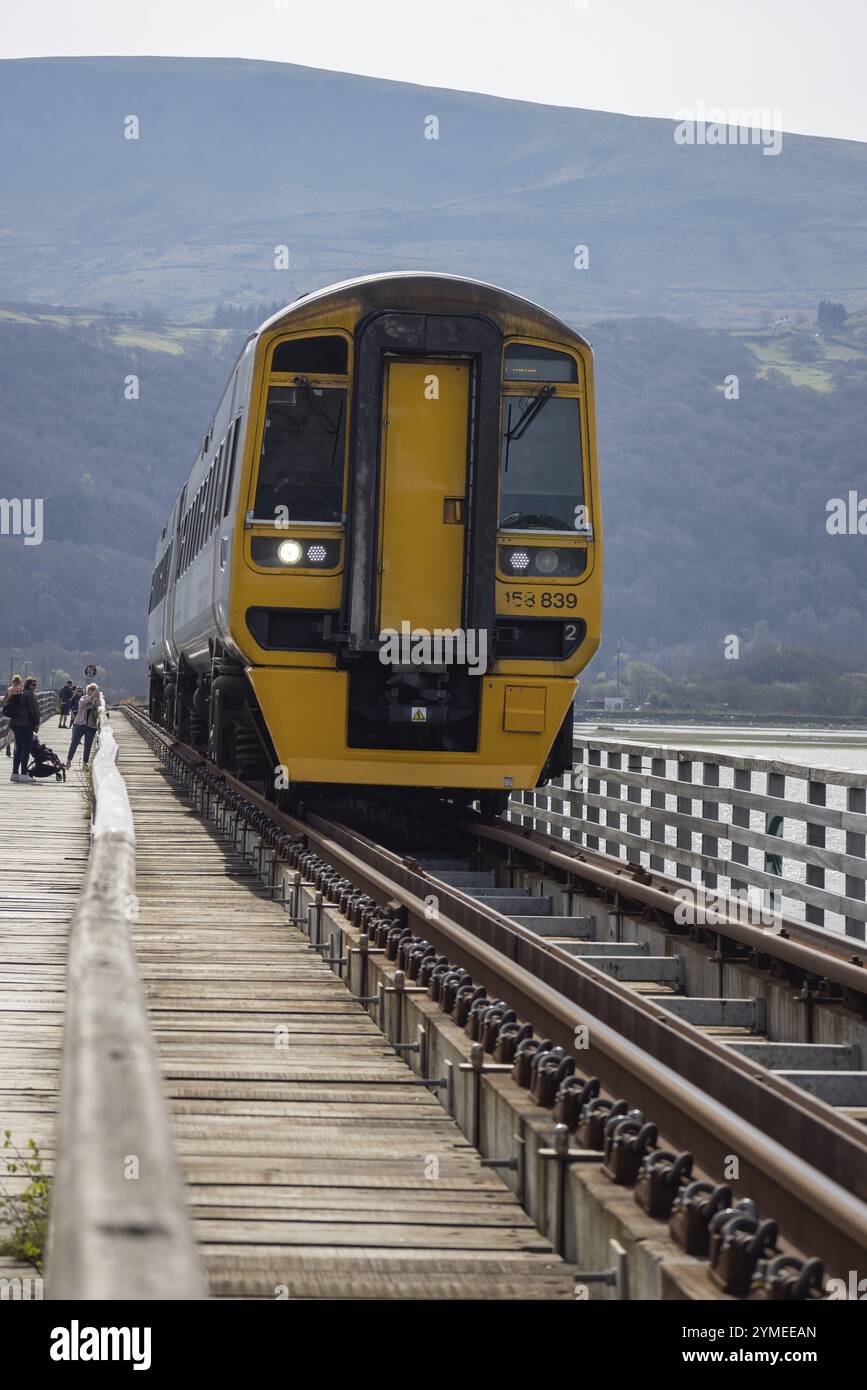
column 612, row 1045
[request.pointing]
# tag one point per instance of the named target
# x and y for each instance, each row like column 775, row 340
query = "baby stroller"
column 45, row 762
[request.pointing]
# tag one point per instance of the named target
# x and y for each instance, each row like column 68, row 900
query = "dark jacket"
column 66, row 693
column 28, row 711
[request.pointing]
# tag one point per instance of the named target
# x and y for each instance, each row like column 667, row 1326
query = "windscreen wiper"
column 526, row 418
column 310, row 397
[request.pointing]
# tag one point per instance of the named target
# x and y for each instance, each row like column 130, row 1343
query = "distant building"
column 614, row 702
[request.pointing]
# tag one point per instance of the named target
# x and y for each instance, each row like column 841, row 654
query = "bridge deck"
column 44, row 841
column 314, row 1167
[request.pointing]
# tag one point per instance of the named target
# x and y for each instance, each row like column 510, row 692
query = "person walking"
column 85, row 724
column 14, row 688
column 65, row 694
column 25, row 724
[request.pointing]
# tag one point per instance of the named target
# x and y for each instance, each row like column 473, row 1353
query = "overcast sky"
column 645, row 57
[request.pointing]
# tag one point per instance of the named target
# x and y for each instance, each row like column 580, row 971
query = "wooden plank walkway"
column 44, row 844
column 309, row 1156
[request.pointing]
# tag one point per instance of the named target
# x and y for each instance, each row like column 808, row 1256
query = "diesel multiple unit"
column 385, row 565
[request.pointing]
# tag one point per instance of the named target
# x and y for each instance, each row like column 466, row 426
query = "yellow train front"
column 385, row 567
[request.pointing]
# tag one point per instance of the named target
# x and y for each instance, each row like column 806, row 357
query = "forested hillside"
column 106, row 467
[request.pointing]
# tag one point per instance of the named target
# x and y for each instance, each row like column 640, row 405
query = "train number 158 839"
column 540, row 598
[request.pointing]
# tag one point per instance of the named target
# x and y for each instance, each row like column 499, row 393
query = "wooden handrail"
column 119, row 1222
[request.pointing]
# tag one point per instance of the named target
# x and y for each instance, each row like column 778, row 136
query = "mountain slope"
column 237, row 157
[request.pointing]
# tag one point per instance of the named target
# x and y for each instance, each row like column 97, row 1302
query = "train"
column 385, row 566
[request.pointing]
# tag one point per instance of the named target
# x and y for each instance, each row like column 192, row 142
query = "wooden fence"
column 764, row 830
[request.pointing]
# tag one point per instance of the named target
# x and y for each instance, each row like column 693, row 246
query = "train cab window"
column 541, row 475
column 301, row 463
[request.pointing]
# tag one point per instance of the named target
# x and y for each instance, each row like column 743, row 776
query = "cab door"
column 423, row 485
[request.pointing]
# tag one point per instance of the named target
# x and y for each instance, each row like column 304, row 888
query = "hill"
column 234, row 158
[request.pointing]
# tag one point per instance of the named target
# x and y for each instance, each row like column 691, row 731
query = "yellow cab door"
column 423, row 506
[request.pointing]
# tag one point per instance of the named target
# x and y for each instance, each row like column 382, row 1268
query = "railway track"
column 604, row 1025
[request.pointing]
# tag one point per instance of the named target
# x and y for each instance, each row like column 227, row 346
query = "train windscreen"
column 541, row 477
column 301, row 464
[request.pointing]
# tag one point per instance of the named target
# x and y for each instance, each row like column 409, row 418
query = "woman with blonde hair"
column 86, row 723
column 14, row 688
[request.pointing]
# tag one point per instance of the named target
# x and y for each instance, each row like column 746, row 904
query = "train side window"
column 209, row 501
column 221, row 477
column 215, row 479
column 302, row 454
column 230, row 471
column 200, row 516
column 194, row 526
column 206, row 504
column 216, row 474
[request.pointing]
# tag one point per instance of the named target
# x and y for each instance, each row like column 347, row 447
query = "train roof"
column 461, row 287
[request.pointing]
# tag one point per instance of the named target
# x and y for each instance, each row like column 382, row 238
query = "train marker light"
column 289, row 552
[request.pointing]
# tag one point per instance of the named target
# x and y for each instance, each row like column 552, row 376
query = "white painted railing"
column 731, row 823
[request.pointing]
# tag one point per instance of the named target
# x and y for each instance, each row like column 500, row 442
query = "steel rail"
column 811, row 1175
column 833, row 944
column 658, row 891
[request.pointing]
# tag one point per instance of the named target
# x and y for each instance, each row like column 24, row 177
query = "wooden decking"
column 44, row 841
column 315, row 1168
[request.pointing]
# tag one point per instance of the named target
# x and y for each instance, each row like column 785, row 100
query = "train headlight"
column 289, row 552
column 532, row 561
column 547, row 561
